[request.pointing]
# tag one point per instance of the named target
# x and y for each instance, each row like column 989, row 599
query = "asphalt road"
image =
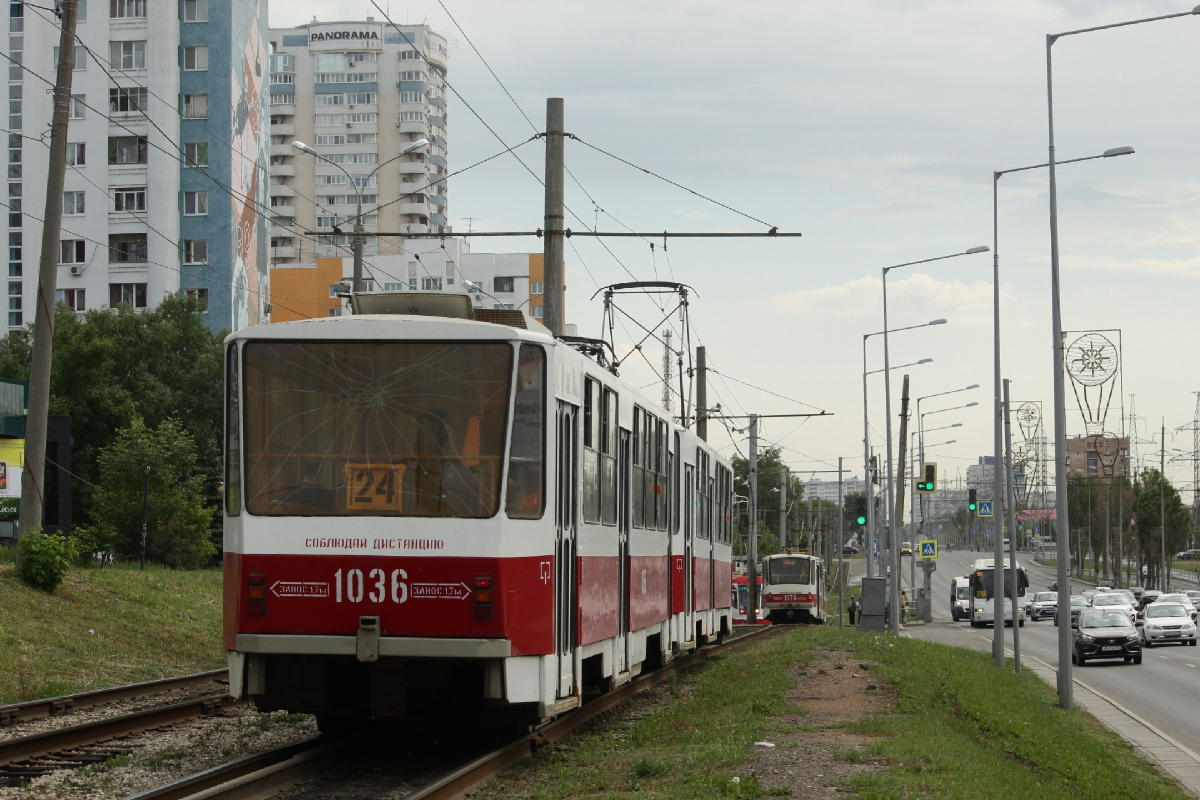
column 1162, row 690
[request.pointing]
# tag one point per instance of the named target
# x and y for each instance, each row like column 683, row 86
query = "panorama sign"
column 343, row 36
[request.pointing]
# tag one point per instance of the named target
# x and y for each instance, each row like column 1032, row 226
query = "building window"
column 283, row 62
column 123, row 9
column 127, row 248
column 330, row 100
column 502, row 284
column 412, row 116
column 131, row 199
column 195, row 10
column 330, row 180
column 195, row 106
column 329, row 120
column 364, row 181
column 535, row 288
column 76, row 152
column 123, row 100
column 195, row 204
column 410, row 55
column 393, row 287
column 503, row 307
column 431, row 284
column 412, row 75
column 412, row 97
column 127, row 55
column 200, row 294
column 78, row 105
column 74, row 298
column 71, row 251
column 133, row 294
column 127, row 149
column 333, row 312
column 535, row 312
column 14, row 319
column 195, row 154
column 283, row 99
column 80, row 58
column 195, row 251
column 331, row 138
column 361, row 98
column 329, row 62
column 360, row 138
column 195, row 58
column 72, row 203
column 284, row 78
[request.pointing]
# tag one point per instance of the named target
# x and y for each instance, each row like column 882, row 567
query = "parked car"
column 849, row 550
column 1045, row 605
column 1078, row 603
column 1164, row 623
column 1188, row 555
column 1105, row 634
column 1112, row 601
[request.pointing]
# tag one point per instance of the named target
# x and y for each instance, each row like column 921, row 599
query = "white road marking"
column 1193, row 666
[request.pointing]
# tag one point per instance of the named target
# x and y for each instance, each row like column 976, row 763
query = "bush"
column 44, row 559
column 93, row 543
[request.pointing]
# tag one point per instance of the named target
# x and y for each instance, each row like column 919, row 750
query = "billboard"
column 344, row 36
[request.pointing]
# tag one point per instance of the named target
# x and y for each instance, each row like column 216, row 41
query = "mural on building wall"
column 249, row 167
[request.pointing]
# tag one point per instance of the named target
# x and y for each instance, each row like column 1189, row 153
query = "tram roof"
column 387, row 326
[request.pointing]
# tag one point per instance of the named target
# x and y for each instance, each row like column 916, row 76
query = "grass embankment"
column 106, row 627
column 958, row 729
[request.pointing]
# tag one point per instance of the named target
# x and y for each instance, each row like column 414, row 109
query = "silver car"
column 1180, row 598
column 1044, row 606
column 1112, row 601
column 1163, row 623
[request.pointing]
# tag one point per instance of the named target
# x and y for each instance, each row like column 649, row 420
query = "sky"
column 874, row 129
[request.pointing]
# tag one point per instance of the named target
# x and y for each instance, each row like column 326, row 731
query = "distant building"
column 499, row 280
column 982, row 475
column 1094, row 457
column 828, row 490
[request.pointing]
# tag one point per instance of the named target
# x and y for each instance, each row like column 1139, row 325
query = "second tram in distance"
column 794, row 588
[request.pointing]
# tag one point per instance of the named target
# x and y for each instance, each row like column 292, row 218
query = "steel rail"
column 14, row 753
column 51, row 706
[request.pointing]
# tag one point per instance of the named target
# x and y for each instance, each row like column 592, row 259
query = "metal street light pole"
column 912, row 556
column 359, row 230
column 894, row 557
column 872, row 532
column 1056, row 344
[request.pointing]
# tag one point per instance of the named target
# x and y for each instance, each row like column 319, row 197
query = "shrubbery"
column 44, row 559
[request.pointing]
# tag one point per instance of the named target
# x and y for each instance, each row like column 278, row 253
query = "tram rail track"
column 29, row 710
column 267, row 773
column 27, row 757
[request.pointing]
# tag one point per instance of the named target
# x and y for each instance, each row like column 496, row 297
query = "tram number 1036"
column 376, row 585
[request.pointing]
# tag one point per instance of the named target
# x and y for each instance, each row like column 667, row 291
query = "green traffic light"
column 971, row 507
column 862, row 520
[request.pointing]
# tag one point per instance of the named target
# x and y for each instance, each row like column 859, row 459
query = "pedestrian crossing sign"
column 985, row 508
column 929, row 548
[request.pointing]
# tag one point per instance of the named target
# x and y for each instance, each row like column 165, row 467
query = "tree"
column 177, row 520
column 111, row 366
column 1147, row 512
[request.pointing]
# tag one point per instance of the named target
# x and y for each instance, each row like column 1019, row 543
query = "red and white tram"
column 740, row 596
column 794, row 588
column 445, row 509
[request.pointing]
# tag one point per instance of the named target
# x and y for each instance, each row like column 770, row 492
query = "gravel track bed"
column 158, row 757
column 104, row 711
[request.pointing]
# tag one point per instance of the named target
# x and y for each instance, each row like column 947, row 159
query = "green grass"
column 959, row 728
column 105, row 627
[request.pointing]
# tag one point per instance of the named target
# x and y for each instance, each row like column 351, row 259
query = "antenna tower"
column 1134, row 459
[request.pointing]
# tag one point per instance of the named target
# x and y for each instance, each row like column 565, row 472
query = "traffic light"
column 971, row 504
column 860, row 508
column 929, row 483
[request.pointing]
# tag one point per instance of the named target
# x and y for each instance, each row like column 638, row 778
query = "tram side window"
column 526, row 473
column 637, row 491
column 676, row 484
column 233, row 438
column 660, row 468
column 608, row 457
column 702, row 530
column 591, row 451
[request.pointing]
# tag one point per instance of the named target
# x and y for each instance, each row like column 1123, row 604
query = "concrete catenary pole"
column 34, row 473
column 752, row 555
column 553, row 245
column 701, row 394
column 783, row 509
column 898, row 513
column 840, row 546
column 1012, row 532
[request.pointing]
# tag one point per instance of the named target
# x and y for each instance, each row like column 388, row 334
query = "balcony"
column 412, row 168
column 405, row 127
column 283, row 252
column 284, row 210
column 282, row 190
column 421, row 209
column 283, row 170
column 282, row 150
column 283, row 129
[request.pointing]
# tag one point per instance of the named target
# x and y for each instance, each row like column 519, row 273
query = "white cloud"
column 908, row 299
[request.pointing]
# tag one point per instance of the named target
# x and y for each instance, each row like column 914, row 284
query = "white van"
column 960, row 598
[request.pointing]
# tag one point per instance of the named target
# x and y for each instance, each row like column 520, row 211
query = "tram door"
column 623, row 484
column 566, row 598
column 689, row 535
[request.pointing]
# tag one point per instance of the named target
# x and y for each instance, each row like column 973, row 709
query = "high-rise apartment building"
column 165, row 187
column 358, row 93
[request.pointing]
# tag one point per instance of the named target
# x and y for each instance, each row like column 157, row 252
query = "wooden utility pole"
column 555, row 297
column 33, row 475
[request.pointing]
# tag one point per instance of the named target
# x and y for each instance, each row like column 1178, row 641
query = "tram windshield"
column 790, row 570
column 375, row 428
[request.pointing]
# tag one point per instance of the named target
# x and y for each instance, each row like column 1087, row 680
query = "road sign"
column 929, row 548
column 985, row 508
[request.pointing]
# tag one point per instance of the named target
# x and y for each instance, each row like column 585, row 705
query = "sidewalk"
column 1147, row 740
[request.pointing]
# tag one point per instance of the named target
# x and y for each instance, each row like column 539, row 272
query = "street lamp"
column 893, row 559
column 1056, row 344
column 356, row 285
column 871, row 527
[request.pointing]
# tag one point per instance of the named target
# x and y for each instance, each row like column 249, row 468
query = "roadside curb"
column 1173, row 757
